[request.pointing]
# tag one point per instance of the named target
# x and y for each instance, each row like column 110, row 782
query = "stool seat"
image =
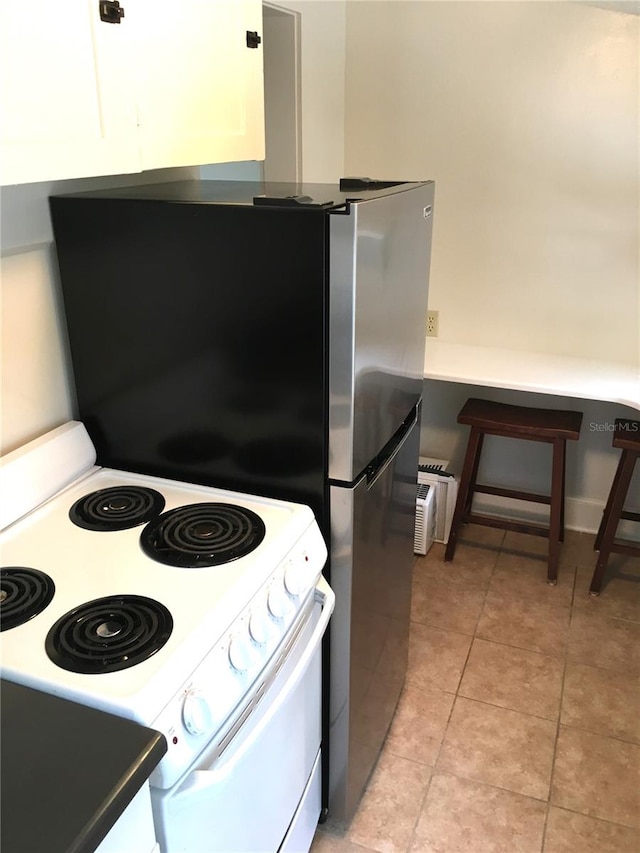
column 554, row 426
column 626, row 436
column 545, row 424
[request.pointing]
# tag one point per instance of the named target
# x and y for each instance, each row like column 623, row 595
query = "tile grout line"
column 564, row 661
column 419, row 812
column 457, row 695
column 601, row 734
column 434, row 767
column 555, row 744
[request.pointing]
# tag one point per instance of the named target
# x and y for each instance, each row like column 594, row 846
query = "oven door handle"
column 199, row 781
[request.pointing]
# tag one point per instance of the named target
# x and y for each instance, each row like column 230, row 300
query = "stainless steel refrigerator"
column 269, row 338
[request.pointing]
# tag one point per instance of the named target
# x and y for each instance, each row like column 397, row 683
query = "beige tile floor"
column 518, row 730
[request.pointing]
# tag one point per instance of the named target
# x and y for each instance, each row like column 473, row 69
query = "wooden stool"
column 550, row 425
column 626, row 436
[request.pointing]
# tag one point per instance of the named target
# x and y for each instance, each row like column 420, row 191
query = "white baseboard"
column 579, row 514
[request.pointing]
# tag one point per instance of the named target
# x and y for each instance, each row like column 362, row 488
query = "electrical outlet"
column 432, row 324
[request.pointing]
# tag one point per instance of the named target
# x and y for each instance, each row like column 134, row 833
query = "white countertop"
column 543, row 373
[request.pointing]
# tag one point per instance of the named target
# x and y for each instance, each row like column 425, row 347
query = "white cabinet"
column 200, row 88
column 67, row 106
column 172, row 84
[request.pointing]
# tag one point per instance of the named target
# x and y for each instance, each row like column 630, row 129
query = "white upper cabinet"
column 67, row 107
column 200, row 87
column 171, row 84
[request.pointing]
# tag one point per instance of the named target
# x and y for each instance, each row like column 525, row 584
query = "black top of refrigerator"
column 298, row 196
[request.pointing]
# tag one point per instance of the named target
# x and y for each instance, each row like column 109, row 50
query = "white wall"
column 35, row 382
column 527, row 116
column 246, row 170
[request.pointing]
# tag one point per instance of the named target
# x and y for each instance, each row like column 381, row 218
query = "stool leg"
column 465, row 494
column 474, row 474
column 607, row 508
column 615, row 505
column 564, row 485
column 557, row 503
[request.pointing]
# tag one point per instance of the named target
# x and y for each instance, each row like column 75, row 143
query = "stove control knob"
column 242, row 653
column 196, row 713
column 260, row 628
column 295, row 578
column 278, row 602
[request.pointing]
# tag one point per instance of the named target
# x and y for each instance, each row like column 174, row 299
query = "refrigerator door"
column 380, row 252
column 372, row 530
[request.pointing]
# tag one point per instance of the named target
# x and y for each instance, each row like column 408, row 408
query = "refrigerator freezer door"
column 378, row 278
column 372, row 531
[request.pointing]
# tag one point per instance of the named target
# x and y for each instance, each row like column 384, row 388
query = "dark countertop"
column 67, row 772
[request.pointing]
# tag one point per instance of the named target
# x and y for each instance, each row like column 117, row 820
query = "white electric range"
column 172, row 604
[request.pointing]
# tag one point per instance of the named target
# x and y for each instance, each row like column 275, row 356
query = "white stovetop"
column 85, row 565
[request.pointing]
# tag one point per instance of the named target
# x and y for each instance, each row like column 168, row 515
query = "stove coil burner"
column 200, row 535
column 117, row 508
column 23, row 594
column 109, row 634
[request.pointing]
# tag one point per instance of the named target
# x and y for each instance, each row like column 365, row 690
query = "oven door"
column 262, row 794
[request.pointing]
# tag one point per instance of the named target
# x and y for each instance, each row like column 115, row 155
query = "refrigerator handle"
column 380, row 462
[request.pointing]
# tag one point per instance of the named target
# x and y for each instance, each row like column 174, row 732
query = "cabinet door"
column 199, row 87
column 67, row 106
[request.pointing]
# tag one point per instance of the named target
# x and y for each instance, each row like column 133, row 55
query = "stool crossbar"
column 553, row 426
